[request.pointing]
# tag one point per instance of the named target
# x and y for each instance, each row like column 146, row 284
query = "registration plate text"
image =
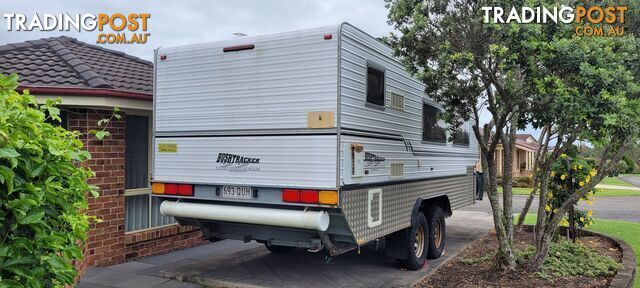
column 236, row 192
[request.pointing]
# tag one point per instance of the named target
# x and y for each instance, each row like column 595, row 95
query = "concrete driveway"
column 231, row 263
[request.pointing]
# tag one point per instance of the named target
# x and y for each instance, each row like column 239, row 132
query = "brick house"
column 92, row 80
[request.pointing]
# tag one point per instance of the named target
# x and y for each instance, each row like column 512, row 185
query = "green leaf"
column 32, row 217
column 54, row 113
column 7, row 178
column 102, row 134
column 8, row 152
column 57, row 263
column 20, row 271
column 9, row 283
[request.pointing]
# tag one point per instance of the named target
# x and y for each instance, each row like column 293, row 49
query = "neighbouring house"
column 91, row 81
column 523, row 156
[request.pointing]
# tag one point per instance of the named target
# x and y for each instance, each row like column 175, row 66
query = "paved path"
column 231, row 263
column 617, row 187
column 632, row 179
column 626, row 208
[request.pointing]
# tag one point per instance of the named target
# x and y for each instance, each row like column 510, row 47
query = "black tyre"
column 437, row 231
column 417, row 243
column 277, row 249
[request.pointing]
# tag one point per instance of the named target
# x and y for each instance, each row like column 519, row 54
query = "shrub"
column 525, row 182
column 42, row 192
column 568, row 175
column 570, row 259
column 631, row 166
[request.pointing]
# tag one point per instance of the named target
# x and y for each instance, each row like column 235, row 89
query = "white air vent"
column 396, row 170
column 396, row 101
column 374, row 208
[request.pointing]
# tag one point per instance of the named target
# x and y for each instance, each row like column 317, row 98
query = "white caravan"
column 317, row 139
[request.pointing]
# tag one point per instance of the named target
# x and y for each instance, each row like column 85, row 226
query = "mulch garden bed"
column 464, row 271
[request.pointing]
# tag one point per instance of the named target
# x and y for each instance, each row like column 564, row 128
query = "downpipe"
column 311, row 220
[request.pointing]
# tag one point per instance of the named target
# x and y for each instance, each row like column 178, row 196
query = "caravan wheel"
column 417, row 243
column 437, row 231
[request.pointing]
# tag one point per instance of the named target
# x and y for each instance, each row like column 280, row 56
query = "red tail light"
column 171, row 189
column 327, row 36
column 309, row 196
column 300, row 196
column 291, row 195
column 185, row 189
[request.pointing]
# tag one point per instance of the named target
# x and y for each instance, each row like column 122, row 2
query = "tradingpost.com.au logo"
column 590, row 21
column 115, row 28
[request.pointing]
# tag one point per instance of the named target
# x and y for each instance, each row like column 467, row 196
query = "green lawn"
column 626, row 231
column 615, row 181
column 601, row 192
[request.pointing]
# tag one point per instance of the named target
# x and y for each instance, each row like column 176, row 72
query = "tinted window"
column 375, row 86
column 136, row 159
column 431, row 131
column 461, row 137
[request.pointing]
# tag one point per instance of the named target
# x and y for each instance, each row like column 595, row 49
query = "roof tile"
column 66, row 62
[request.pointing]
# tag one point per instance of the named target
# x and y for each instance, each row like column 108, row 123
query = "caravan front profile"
column 317, row 139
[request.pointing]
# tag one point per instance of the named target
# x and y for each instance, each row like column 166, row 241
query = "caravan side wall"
column 252, row 103
column 400, row 168
column 391, row 133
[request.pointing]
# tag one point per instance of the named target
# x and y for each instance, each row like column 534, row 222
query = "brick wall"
column 107, row 242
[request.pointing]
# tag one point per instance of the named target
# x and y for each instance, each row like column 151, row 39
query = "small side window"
column 375, row 86
column 431, row 130
column 396, row 101
column 461, row 137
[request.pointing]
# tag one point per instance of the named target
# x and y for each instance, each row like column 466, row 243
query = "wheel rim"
column 438, row 233
column 419, row 241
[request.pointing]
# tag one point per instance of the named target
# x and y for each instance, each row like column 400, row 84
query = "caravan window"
column 375, row 86
column 461, row 137
column 431, row 130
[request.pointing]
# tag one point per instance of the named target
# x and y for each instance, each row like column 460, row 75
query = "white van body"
column 290, row 111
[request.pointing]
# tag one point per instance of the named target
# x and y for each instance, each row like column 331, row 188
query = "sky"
column 174, row 23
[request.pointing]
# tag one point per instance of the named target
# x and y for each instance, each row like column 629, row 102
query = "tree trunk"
column 545, row 136
column 527, row 206
column 504, row 258
column 507, row 181
column 572, row 224
column 485, row 173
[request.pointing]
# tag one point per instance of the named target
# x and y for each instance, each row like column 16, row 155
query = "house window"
column 64, row 120
column 461, row 137
column 431, row 129
column 141, row 210
column 136, row 152
column 375, row 86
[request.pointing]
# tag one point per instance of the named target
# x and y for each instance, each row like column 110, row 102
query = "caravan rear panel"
column 214, row 107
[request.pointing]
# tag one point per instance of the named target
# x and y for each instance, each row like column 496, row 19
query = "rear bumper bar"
column 311, row 220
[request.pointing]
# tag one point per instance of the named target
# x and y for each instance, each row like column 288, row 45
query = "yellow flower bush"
column 568, row 175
